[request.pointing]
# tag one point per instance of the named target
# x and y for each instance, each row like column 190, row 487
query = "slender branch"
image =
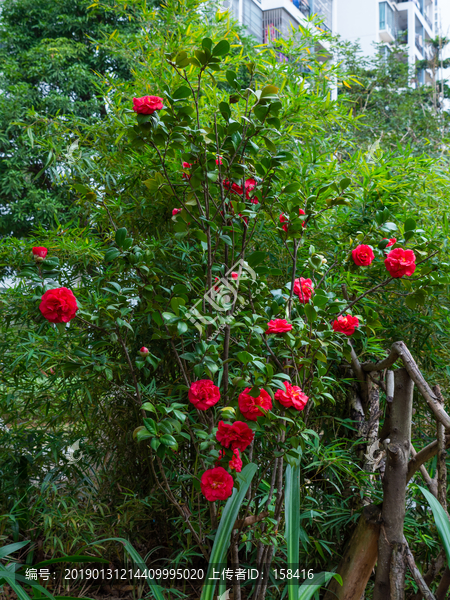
column 294, row 268
column 399, row 350
column 416, row 573
column 423, row 456
column 168, row 493
column 431, row 484
column 441, row 457
column 279, row 365
column 130, row 365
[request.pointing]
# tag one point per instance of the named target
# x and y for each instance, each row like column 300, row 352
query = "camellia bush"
column 233, row 292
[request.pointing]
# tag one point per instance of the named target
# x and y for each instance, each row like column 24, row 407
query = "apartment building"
column 275, row 17
column 388, row 22
column 406, row 22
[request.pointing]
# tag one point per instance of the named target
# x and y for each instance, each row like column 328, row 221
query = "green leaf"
column 244, row 357
column 226, row 239
column 310, row 312
column 269, row 91
column 269, row 145
column 111, row 254
column 222, row 48
column 150, row 425
column 291, row 188
column 169, row 441
column 182, row 327
column 225, row 110
column 142, row 434
column 410, row 301
column 207, row 44
column 182, row 92
column 337, row 201
column 181, row 59
column 222, row 539
column 410, row 225
column 441, row 520
column 121, row 234
column 231, row 78
column 256, row 258
column 344, row 183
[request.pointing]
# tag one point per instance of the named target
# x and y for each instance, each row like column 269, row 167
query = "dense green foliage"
column 393, row 108
column 137, row 271
column 50, row 68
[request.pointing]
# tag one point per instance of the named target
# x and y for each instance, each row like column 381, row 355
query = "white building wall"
column 358, row 21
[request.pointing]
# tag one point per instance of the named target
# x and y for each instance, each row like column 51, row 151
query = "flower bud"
column 144, row 352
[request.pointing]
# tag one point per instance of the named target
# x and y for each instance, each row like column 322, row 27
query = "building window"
column 387, row 25
column 252, row 18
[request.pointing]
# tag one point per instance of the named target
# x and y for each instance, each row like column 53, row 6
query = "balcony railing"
column 419, row 45
column 420, row 7
column 303, row 7
column 430, row 24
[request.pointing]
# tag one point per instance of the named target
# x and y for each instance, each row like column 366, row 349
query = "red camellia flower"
column 391, row 242
column 400, row 262
column 58, row 305
column 39, row 253
column 203, row 394
column 216, row 484
column 186, row 165
column 304, row 289
column 234, row 275
column 283, row 219
column 236, row 462
column 302, row 212
column 250, row 185
column 234, row 187
column 249, row 406
column 176, row 211
column 144, row 351
column 292, row 396
column 363, row 255
column 237, row 436
column 278, row 326
column 147, row 104
column 346, row 325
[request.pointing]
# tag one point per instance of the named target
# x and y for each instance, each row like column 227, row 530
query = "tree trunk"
column 394, row 488
column 359, row 558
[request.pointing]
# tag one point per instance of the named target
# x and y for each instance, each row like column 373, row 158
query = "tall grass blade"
column 292, row 529
column 138, row 560
column 10, row 548
column 310, row 586
column 229, row 515
column 441, row 520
